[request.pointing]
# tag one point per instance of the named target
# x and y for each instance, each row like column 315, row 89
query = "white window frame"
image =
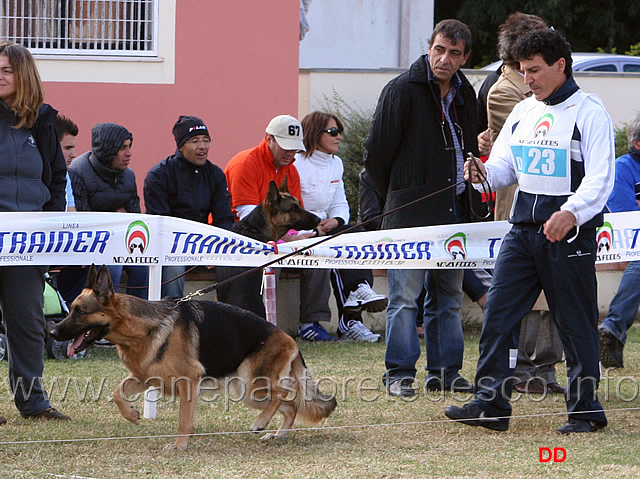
column 82, row 27
column 158, row 69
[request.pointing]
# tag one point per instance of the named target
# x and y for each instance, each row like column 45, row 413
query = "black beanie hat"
column 187, row 127
column 106, row 141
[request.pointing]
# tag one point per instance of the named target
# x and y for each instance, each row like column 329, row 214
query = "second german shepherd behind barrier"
column 176, row 346
column 269, row 221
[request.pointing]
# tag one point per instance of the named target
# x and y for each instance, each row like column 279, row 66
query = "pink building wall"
column 236, row 68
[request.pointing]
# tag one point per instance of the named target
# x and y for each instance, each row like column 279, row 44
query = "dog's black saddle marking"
column 228, row 335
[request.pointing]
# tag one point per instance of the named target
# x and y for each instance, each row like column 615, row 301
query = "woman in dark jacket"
column 32, row 178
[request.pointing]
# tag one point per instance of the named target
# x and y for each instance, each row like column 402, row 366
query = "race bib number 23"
column 540, row 161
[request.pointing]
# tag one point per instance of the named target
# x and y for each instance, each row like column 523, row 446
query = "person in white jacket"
column 558, row 147
column 323, row 194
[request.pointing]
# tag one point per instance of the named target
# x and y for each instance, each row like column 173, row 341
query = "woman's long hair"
column 29, row 91
column 313, row 126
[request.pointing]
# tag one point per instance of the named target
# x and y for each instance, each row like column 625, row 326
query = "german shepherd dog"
column 177, row 346
column 269, row 221
column 278, row 213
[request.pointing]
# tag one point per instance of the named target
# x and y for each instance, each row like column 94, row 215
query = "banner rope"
column 314, row 428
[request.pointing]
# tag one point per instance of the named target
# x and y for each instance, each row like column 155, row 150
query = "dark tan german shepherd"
column 269, row 221
column 278, row 213
column 177, row 346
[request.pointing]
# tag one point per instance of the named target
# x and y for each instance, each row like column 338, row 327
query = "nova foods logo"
column 456, row 246
column 604, row 237
column 543, row 125
column 137, row 237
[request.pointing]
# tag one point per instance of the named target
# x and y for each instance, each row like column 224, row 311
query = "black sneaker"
column 610, row 350
column 457, row 384
column 579, row 425
column 472, row 415
column 2, row 421
column 402, row 388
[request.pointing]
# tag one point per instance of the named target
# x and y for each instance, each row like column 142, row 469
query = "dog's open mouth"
column 83, row 341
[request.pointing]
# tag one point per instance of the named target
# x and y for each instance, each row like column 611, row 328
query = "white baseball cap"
column 287, row 131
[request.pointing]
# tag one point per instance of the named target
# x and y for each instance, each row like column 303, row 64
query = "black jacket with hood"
column 96, row 187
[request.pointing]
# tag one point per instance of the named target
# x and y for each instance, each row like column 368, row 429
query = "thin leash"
column 486, row 189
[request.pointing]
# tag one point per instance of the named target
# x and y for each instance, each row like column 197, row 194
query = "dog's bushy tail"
column 312, row 405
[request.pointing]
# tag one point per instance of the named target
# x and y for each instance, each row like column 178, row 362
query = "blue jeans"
column 442, row 326
column 624, row 305
column 137, row 279
column 170, row 286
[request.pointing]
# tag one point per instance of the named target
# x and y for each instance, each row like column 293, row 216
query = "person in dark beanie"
column 101, row 178
column 102, row 181
column 187, row 185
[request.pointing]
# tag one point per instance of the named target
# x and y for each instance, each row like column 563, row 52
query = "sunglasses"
column 334, row 131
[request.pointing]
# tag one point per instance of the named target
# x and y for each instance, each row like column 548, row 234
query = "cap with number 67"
column 287, row 131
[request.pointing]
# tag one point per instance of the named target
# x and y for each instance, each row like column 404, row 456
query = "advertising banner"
column 83, row 238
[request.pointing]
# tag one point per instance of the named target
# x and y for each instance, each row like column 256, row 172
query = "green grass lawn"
column 370, row 435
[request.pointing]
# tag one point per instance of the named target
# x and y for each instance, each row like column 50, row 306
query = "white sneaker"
column 366, row 298
column 359, row 332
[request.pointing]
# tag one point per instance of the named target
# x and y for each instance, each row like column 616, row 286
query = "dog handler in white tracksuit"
column 558, row 147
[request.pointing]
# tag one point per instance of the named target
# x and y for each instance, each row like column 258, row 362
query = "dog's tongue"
column 71, row 348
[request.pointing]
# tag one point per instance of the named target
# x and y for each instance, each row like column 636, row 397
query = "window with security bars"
column 82, row 27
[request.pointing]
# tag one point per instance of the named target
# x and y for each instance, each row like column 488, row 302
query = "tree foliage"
column 589, row 25
column 356, row 122
column 622, row 143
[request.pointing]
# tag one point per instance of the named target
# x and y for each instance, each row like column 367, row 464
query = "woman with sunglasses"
column 32, row 178
column 323, row 194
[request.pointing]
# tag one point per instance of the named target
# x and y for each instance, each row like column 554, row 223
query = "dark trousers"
column 527, row 264
column 70, row 282
column 343, row 282
column 21, row 301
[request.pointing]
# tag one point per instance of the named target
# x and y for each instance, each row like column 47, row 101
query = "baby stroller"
column 55, row 310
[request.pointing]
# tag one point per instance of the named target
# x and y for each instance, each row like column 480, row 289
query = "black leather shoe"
column 457, row 384
column 472, row 415
column 579, row 425
column 610, row 350
column 555, row 388
column 50, row 413
column 536, row 386
column 530, row 387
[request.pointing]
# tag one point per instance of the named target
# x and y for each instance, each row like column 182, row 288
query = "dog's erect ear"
column 91, row 278
column 103, row 286
column 284, row 187
column 273, row 197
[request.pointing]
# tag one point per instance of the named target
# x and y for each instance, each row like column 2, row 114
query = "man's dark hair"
column 516, row 25
column 455, row 31
column 550, row 44
column 64, row 126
